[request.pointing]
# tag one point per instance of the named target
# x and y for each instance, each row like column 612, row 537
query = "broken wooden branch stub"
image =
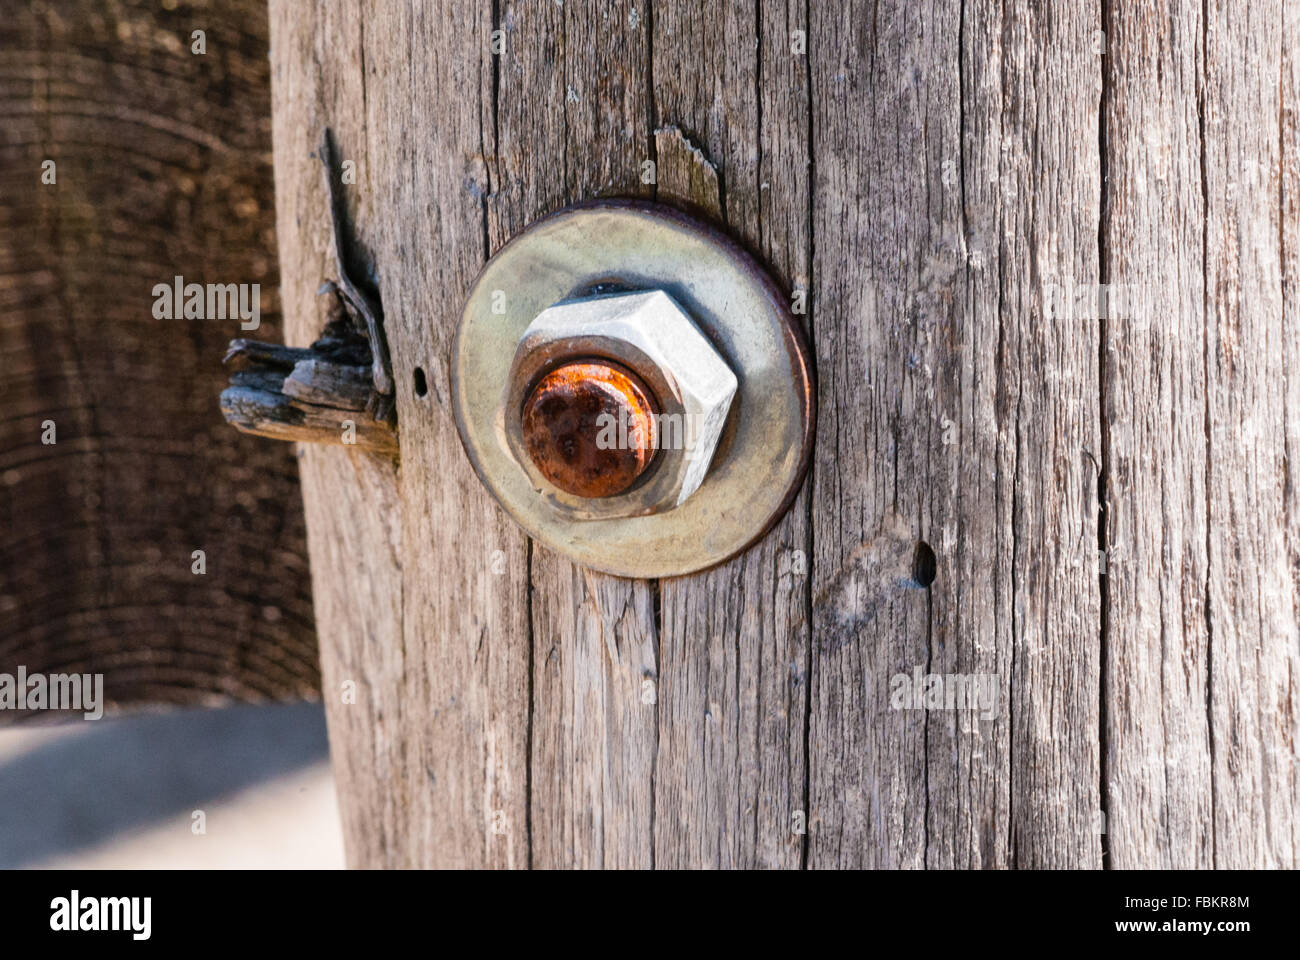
column 321, row 394
column 704, row 331
column 338, row 391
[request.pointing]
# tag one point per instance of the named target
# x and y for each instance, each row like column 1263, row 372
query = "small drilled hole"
column 924, row 564
column 421, row 384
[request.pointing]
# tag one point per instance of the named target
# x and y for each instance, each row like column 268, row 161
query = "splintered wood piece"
column 361, row 301
column 288, row 393
column 243, row 354
column 265, row 413
column 328, row 384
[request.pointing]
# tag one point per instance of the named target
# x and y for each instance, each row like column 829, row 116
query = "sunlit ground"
column 124, row 793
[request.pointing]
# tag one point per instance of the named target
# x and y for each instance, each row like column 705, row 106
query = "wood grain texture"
column 1284, row 740
column 163, row 168
column 1159, row 799
column 953, row 414
column 1253, row 423
column 429, row 616
column 932, row 176
column 571, row 123
column 730, row 778
column 1202, row 584
column 1049, row 224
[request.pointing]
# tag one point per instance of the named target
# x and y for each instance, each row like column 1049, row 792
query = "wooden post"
column 1091, row 508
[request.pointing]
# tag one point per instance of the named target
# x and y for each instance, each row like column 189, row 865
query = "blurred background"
column 154, row 119
column 124, row 792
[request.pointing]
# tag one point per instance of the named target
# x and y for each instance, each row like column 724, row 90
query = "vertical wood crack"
column 1103, row 469
column 809, row 480
column 1205, row 379
column 656, row 586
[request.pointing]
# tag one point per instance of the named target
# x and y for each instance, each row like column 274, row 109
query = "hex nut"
column 651, row 335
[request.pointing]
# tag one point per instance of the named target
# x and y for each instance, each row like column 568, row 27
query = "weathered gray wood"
column 1154, row 450
column 571, row 122
column 1049, row 186
column 1284, row 643
column 928, row 174
column 730, row 776
column 428, row 608
column 328, row 384
column 956, row 170
column 1250, row 178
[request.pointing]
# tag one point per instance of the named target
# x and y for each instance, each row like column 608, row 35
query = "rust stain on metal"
column 590, row 428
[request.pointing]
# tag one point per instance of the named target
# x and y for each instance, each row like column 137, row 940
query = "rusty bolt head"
column 566, row 420
column 686, row 389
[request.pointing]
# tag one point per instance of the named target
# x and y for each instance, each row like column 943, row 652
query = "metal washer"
column 763, row 455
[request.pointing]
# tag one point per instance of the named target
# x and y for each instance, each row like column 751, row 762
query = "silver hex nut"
column 650, row 334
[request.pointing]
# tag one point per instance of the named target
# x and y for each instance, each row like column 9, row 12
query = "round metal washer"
column 763, row 454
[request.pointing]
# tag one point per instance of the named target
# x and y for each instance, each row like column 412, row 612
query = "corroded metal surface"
column 763, row 449
column 590, row 428
column 649, row 333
